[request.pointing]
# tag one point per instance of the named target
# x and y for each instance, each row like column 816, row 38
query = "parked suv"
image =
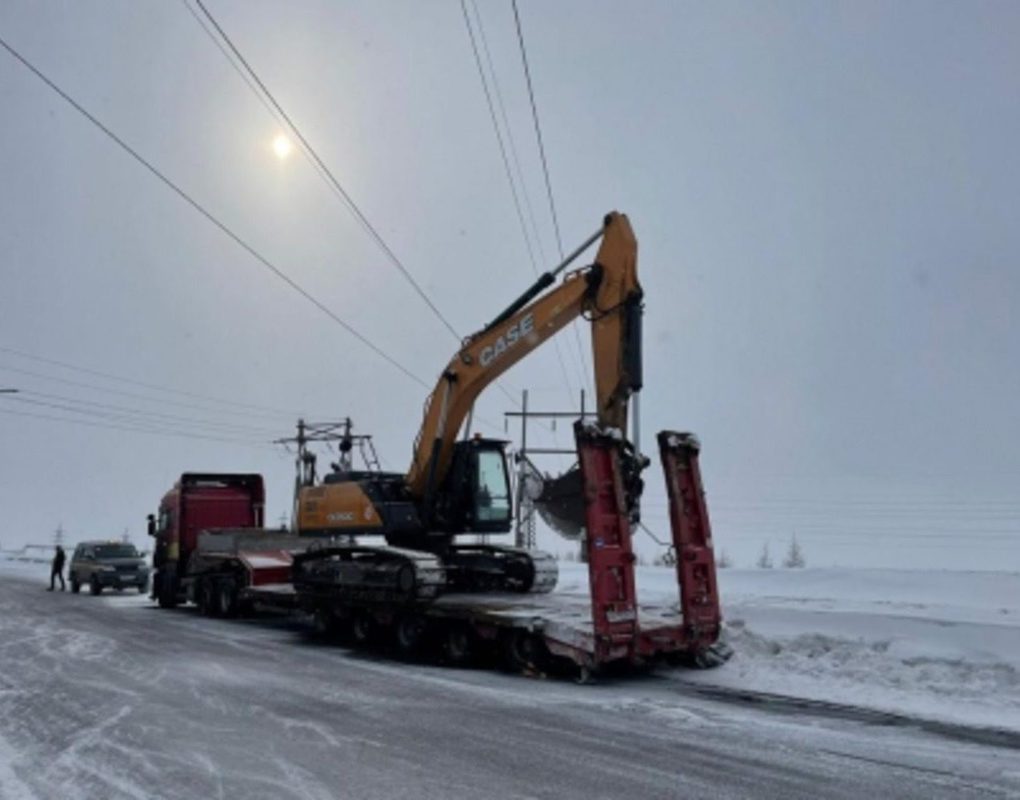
column 107, row 564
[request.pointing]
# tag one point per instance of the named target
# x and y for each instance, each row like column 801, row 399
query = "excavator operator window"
column 492, row 495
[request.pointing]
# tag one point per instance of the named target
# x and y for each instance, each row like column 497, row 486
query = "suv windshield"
column 116, row 551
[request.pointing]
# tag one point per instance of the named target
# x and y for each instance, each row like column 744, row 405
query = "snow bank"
column 935, row 644
column 28, row 569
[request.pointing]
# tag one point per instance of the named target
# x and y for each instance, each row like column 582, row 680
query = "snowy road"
column 110, row 698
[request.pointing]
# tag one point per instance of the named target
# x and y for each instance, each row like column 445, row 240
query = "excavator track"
column 369, row 574
column 495, row 568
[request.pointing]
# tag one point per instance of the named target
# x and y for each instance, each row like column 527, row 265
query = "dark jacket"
column 58, row 559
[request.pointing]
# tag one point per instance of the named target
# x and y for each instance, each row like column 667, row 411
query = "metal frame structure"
column 524, row 513
column 305, row 459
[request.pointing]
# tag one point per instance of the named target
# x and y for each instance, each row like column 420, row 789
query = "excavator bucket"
column 561, row 504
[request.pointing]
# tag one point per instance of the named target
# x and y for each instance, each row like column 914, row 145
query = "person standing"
column 58, row 568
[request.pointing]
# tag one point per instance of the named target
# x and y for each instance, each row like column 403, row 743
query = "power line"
column 219, row 46
column 120, row 412
column 252, row 408
column 135, row 396
column 509, row 177
column 516, row 162
column 499, row 135
column 133, row 429
column 352, row 206
column 509, row 131
column 538, row 128
column 541, row 152
column 208, row 215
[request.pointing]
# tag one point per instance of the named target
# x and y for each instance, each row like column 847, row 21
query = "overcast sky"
column 825, row 197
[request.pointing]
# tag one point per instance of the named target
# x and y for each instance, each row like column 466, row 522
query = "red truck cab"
column 199, row 501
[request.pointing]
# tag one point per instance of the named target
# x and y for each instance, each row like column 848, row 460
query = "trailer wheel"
column 523, row 651
column 458, row 644
column 362, row 628
column 408, row 633
column 226, row 599
column 325, row 622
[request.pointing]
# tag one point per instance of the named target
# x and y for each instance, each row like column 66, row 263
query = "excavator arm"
column 607, row 293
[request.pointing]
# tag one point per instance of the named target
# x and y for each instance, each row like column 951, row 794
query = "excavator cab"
column 475, row 498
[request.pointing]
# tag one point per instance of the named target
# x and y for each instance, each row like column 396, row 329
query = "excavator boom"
column 607, row 293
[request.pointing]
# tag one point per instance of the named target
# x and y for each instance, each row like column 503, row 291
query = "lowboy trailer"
column 238, row 569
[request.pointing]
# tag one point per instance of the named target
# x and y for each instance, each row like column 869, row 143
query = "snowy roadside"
column 28, row 569
column 936, row 645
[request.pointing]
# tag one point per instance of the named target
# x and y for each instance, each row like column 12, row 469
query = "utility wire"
column 252, row 408
column 509, row 174
column 132, row 429
column 208, row 215
column 538, row 128
column 135, row 396
column 541, row 152
column 516, row 163
column 149, row 424
column 244, row 76
column 355, row 210
column 509, row 132
column 499, row 136
column 94, row 406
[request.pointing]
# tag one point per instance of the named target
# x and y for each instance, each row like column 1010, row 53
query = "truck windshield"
column 116, row 551
column 493, row 498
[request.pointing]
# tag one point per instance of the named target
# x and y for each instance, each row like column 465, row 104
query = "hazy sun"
column 282, row 146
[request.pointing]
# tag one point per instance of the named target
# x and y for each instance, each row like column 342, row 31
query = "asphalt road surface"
column 112, row 698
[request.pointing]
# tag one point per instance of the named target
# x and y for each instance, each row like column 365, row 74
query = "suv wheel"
column 95, row 587
column 75, row 586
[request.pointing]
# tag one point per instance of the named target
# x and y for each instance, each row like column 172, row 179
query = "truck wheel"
column 95, row 587
column 204, row 598
column 458, row 644
column 167, row 593
column 226, row 599
column 75, row 586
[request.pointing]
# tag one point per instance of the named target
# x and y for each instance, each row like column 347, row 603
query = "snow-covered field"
column 940, row 645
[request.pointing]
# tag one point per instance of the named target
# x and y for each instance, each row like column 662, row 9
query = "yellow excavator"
column 460, row 485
